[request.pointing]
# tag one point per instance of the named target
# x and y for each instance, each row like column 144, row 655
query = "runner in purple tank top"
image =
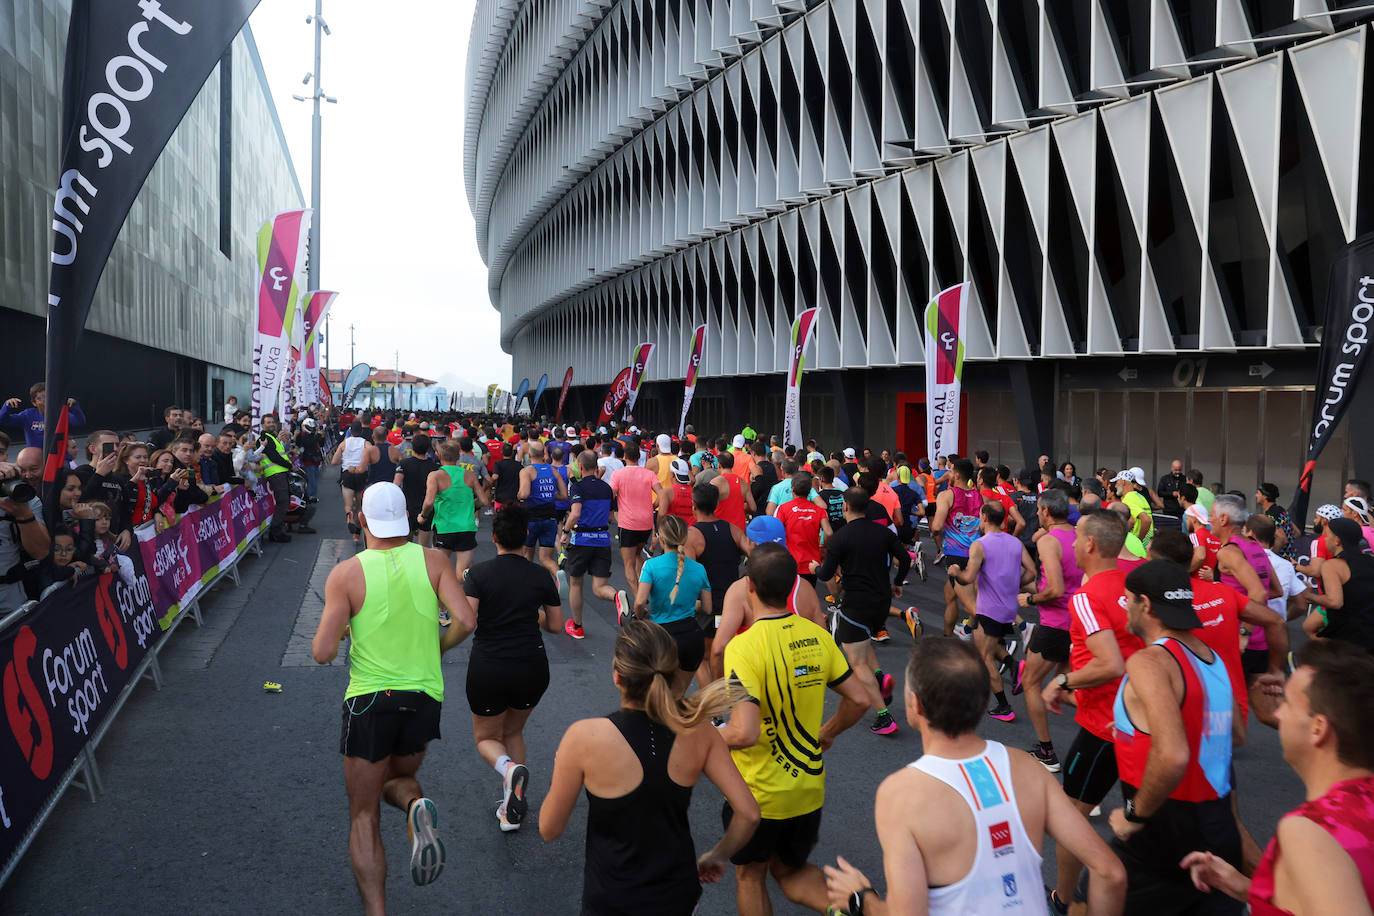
column 1001, row 565
column 1047, row 650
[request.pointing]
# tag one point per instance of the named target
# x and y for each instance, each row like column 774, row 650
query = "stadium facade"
column 1145, row 194
column 172, row 320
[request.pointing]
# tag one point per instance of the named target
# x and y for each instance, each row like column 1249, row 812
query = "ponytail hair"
column 672, row 530
column 646, row 660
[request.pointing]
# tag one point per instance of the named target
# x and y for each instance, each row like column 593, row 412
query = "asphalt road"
column 222, row 798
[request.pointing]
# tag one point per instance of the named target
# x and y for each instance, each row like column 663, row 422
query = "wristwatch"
column 1130, row 814
column 1063, row 681
column 856, row 901
column 1030, row 599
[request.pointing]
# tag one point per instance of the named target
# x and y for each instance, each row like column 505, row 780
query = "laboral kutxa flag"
column 639, row 366
column 946, row 320
column 802, row 329
column 131, row 71
column 563, row 394
column 693, row 369
column 317, row 305
column 281, row 253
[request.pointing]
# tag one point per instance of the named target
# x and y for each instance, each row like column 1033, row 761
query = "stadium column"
column 1033, row 391
column 850, row 390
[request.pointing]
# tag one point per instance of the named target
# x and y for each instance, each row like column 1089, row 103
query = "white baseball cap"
column 1199, row 514
column 384, row 511
column 664, row 442
column 849, row 453
column 681, row 472
column 738, row 442
column 571, row 431
column 1134, row 475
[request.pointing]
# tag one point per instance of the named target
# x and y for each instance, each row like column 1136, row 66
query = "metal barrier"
column 84, row 771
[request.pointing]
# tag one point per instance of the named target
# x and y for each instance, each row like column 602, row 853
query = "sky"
column 397, row 238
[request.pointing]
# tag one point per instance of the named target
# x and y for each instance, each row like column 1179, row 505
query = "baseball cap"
column 384, row 511
column 680, row 470
column 849, row 453
column 1199, row 514
column 1134, row 475
column 570, row 431
column 1329, row 512
column 737, row 442
column 634, row 429
column 765, row 529
column 1170, row 592
column 664, row 442
column 308, row 423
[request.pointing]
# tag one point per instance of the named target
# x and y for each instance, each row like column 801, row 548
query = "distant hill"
column 454, row 383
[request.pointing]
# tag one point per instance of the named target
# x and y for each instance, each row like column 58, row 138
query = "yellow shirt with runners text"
column 786, row 664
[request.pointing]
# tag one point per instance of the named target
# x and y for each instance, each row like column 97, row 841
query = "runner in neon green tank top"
column 388, row 598
column 451, row 499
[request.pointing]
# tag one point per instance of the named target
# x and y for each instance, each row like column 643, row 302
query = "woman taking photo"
column 142, row 493
column 639, row 765
column 670, row 585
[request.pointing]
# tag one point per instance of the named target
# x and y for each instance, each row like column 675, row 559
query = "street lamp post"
column 313, row 243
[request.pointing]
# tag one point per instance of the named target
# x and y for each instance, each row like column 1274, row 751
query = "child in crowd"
column 246, row 458
column 61, row 565
column 105, row 555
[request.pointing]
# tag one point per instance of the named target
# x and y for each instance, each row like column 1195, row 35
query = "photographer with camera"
column 22, row 534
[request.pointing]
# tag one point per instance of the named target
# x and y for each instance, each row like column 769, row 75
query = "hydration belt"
column 589, row 529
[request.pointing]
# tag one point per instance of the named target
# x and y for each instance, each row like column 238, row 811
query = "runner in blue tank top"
column 540, row 489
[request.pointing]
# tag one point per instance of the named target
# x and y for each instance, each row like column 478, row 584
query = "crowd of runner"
column 1157, row 616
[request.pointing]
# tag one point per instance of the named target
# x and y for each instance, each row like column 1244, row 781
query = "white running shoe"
column 426, row 849
column 506, row 825
column 622, row 607
column 514, row 804
column 562, row 585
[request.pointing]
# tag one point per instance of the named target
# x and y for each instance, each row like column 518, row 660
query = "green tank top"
column 395, row 637
column 455, row 509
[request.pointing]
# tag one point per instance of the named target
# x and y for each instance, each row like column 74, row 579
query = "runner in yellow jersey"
column 387, row 600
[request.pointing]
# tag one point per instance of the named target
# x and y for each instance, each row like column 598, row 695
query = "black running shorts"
column 1089, row 768
column 457, row 541
column 497, row 684
column 389, row 723
column 994, row 628
column 354, row 482
column 1155, row 883
column 949, row 560
column 583, row 559
column 1051, row 643
column 855, row 622
column 629, row 537
column 791, row 839
column 691, row 642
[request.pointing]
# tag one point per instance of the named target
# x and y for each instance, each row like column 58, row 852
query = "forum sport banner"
column 64, row 666
column 615, row 395
column 316, row 308
column 946, row 321
column 353, row 382
column 1341, row 361
column 639, row 366
column 693, row 368
column 539, row 392
column 281, row 254
column 563, row 394
column 131, row 71
column 802, row 330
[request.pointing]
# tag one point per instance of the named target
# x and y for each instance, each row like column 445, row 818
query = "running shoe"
column 572, row 629
column 517, row 779
column 964, row 631
column 622, row 607
column 1003, row 711
column 1010, row 645
column 920, row 559
column 1016, row 685
column 885, row 686
column 426, row 849
column 562, row 578
column 883, row 724
column 881, row 636
column 1057, row 906
column 444, row 618
column 1047, row 757
column 506, row 826
column 562, row 558
column 1025, row 628
column 939, row 557
column 1096, row 811
column 913, row 622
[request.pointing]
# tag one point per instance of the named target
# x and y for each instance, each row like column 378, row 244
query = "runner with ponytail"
column 640, row 854
column 670, row 586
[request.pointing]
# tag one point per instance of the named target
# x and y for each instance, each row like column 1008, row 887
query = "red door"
column 911, row 424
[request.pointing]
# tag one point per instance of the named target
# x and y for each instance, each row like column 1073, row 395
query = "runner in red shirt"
column 804, row 521
column 1099, row 646
column 987, row 483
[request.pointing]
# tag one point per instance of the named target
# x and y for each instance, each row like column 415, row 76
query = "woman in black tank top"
column 640, row 855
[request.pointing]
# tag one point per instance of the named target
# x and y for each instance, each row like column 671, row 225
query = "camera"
column 16, row 489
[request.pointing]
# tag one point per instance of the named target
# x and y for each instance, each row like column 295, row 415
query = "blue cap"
column 765, row 529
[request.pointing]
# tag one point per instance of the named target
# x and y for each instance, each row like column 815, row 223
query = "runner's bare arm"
column 338, row 610
column 562, row 487
column 526, row 476
column 431, row 494
column 743, row 728
column 451, row 596
column 695, row 543
column 720, row 768
column 1321, row 874
column 1050, row 551
column 1151, row 674
column 565, row 784
column 1106, row 663
column 479, row 494
column 1028, row 573
column 1018, row 522
column 642, row 599
column 853, row 705
column 574, row 514
column 1071, row 830
column 969, row 573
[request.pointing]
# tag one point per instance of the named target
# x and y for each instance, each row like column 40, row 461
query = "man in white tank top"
column 962, row 828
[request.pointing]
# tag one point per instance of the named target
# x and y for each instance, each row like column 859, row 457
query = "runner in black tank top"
column 721, row 558
column 640, row 856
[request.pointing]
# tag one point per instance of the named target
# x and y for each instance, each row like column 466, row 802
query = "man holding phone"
column 99, row 483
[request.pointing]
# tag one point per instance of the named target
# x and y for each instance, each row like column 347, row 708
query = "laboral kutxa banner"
column 563, row 394
column 946, row 321
column 802, row 330
column 130, row 73
column 64, row 665
column 316, row 308
column 281, row 252
column 693, row 369
column 639, row 366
